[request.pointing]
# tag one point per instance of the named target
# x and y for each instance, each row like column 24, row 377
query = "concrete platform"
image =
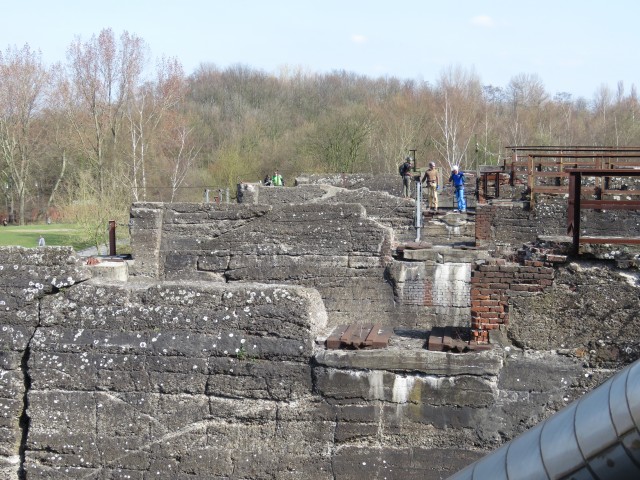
column 407, row 352
column 109, row 269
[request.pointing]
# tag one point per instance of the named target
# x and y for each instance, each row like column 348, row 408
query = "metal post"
column 573, row 213
column 413, row 158
column 418, row 221
column 112, row 238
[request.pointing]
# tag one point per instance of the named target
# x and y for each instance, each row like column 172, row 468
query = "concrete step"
column 444, row 254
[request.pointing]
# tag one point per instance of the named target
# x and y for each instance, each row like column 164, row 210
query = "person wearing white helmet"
column 431, row 179
column 457, row 180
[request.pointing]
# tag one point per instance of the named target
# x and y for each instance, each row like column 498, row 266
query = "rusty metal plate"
column 453, row 339
column 364, row 336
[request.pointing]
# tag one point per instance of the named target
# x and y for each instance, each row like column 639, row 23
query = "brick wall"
column 492, row 285
column 484, row 218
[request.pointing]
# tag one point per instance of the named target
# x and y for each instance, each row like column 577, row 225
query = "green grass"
column 58, row 234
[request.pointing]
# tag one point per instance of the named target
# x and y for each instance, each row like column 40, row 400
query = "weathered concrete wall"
column 381, row 203
column 330, row 243
column 26, row 275
column 514, row 222
column 174, row 379
column 591, row 310
column 391, row 184
column 333, row 248
column 389, row 210
column 179, row 379
column 210, row 363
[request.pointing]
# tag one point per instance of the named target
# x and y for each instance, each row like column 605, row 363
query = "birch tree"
column 460, row 94
column 180, row 152
column 147, row 109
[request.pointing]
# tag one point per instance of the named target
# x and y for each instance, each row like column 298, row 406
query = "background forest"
column 80, row 141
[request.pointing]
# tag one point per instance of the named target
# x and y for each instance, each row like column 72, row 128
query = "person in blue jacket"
column 457, row 180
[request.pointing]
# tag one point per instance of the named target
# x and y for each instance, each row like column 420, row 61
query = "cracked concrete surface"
column 185, row 378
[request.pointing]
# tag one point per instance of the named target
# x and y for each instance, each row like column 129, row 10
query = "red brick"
column 475, row 297
column 475, row 310
column 485, row 291
column 488, row 268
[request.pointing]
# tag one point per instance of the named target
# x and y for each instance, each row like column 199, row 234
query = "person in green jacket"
column 277, row 180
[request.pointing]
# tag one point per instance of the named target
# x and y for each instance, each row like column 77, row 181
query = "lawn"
column 54, row 235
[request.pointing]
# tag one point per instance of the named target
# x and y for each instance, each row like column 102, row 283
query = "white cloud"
column 484, row 21
column 356, row 38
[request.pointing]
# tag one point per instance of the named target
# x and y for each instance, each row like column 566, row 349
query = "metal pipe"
column 112, row 237
column 597, row 437
column 418, row 221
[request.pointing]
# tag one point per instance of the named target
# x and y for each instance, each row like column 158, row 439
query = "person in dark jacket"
column 405, row 173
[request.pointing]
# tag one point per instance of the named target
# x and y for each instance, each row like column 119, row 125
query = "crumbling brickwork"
column 492, row 285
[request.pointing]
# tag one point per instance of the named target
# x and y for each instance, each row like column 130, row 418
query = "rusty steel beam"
column 575, row 205
column 603, row 172
column 611, row 204
column 569, row 148
column 112, row 237
column 573, row 211
column 611, row 240
column 584, row 155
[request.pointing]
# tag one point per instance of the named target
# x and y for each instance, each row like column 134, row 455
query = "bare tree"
column 23, row 84
column 180, row 152
column 460, row 95
column 150, row 102
column 339, row 140
column 526, row 94
column 102, row 74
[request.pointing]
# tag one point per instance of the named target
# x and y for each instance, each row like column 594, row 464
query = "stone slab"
column 437, row 363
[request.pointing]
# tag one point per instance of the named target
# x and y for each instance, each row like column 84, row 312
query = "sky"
column 572, row 46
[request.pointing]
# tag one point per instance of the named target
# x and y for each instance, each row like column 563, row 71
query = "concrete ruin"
column 204, row 356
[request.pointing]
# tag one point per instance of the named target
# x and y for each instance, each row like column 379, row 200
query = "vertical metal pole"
column 573, row 213
column 112, row 237
column 413, row 158
column 418, row 208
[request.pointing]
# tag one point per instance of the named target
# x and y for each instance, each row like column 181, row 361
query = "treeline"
column 85, row 138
